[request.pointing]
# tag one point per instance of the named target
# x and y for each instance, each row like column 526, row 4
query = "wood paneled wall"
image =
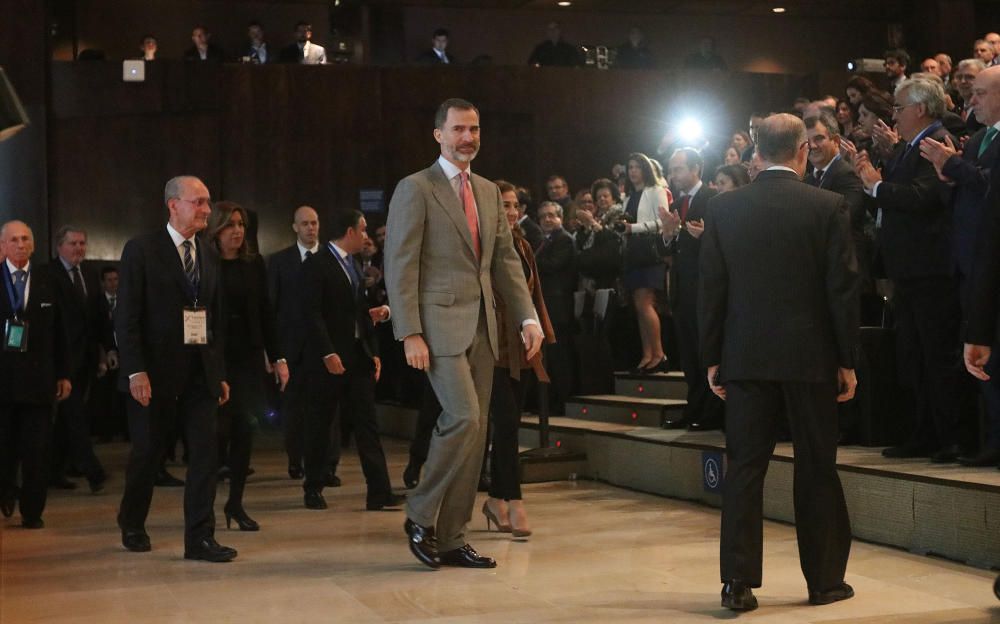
column 276, row 137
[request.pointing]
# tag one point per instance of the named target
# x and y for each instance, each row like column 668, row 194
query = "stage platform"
column 599, row 554
column 944, row 510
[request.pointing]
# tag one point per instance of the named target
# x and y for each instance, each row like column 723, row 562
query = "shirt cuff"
column 873, row 192
column 136, row 374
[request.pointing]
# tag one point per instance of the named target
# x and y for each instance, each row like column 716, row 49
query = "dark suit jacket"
column 149, row 323
column 778, row 296
column 684, row 270
column 915, row 237
column 79, row 315
column 283, row 271
column 560, row 54
column 971, row 174
column 429, row 57
column 841, row 178
column 214, row 53
column 556, row 260
column 330, row 310
column 272, row 53
column 258, row 314
column 983, row 316
column 532, row 232
column 30, row 377
column 104, row 324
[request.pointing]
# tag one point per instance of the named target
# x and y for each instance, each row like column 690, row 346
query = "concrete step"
column 659, row 386
column 624, row 410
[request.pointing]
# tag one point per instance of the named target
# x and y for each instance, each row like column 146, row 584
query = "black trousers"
column 560, row 364
column 25, row 437
column 238, row 418
column 928, row 318
column 293, row 414
column 354, row 391
column 194, row 408
column 71, row 433
column 703, row 406
column 505, row 415
column 821, row 522
column 106, row 405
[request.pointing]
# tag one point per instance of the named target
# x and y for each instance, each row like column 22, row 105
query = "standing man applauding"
column 169, row 328
column 448, row 246
column 778, row 318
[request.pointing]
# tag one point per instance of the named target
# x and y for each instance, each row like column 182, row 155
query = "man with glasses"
column 170, row 340
column 913, row 224
column 965, row 77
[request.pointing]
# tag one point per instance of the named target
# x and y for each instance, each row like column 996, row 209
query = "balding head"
column 17, row 242
column 781, row 140
column 986, row 96
column 305, row 224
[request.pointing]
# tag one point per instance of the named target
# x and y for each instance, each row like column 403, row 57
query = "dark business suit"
column 914, row 242
column 185, row 380
column 213, row 53
column 333, row 309
column 107, row 403
column 283, row 270
column 28, row 392
column 778, row 313
column 71, row 440
column 532, row 231
column 430, row 57
column 970, row 206
column 556, row 260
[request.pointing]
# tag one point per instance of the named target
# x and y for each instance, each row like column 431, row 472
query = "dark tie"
column 352, row 272
column 112, row 302
column 190, row 270
column 78, row 282
column 307, row 255
column 685, row 204
column 20, row 283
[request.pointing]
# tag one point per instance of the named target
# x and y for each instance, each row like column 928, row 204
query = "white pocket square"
column 46, row 305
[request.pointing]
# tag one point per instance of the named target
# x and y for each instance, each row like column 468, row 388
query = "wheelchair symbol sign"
column 711, row 464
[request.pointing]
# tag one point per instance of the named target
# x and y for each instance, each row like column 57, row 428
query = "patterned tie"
column 20, row 283
column 190, row 270
column 990, row 135
column 469, row 204
column 78, row 282
column 685, row 204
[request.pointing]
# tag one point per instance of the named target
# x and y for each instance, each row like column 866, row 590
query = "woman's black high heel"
column 243, row 521
column 663, row 366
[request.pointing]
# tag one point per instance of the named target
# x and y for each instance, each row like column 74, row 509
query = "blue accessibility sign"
column 712, row 471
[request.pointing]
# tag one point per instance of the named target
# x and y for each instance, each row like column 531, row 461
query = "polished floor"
column 598, row 554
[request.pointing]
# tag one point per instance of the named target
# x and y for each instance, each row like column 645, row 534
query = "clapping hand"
column 884, row 136
column 938, row 153
column 670, row 222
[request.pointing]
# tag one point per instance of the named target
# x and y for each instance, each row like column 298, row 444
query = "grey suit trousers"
column 446, row 495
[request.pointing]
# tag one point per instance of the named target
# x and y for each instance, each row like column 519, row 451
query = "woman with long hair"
column 645, row 272
column 252, row 333
column 731, row 177
column 505, row 505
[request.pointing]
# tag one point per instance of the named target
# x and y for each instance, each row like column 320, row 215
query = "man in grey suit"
column 448, row 246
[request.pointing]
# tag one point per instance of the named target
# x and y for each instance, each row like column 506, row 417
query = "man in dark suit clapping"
column 170, row 338
column 34, row 373
column 778, row 319
column 556, row 258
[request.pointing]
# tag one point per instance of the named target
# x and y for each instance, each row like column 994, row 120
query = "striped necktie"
column 190, row 270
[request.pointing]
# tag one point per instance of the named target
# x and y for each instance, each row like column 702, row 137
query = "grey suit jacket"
column 434, row 283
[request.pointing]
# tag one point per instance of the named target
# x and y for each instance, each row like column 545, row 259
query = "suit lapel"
column 206, row 270
column 487, row 215
column 445, row 195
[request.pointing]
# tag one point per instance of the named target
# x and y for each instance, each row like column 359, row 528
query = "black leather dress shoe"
column 136, row 541
column 391, row 501
column 315, row 500
column 8, row 502
column 906, row 451
column 738, row 596
column 295, row 472
column 32, row 523
column 996, row 587
column 983, row 458
column 62, row 483
column 946, row 455
column 841, row 592
column 332, row 480
column 680, row 423
column 411, row 476
column 704, row 426
column 466, row 557
column 165, row 479
column 210, row 550
column 97, row 484
column 423, row 544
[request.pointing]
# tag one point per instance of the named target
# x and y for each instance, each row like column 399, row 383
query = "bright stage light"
column 689, row 130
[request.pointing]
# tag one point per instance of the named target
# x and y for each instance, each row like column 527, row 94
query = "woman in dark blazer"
column 505, row 507
column 251, row 332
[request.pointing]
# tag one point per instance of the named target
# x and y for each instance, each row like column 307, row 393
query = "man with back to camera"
column 34, row 373
column 447, row 243
column 778, row 318
column 169, row 326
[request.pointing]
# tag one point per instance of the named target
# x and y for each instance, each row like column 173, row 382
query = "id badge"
column 195, row 326
column 15, row 335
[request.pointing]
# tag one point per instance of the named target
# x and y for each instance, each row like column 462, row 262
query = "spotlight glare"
column 564, row 3
column 778, row 9
column 689, row 130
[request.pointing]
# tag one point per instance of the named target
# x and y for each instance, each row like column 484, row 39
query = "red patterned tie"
column 685, row 203
column 469, row 204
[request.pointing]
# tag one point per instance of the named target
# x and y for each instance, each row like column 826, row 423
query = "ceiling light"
column 564, row 3
column 778, row 9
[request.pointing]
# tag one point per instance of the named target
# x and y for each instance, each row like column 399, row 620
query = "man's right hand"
column 847, row 383
column 417, row 354
column 976, row 358
column 333, row 364
column 140, row 389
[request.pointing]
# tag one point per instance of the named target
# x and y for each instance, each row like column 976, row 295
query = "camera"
column 618, row 226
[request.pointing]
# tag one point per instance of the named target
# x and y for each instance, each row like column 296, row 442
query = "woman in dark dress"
column 505, row 507
column 251, row 335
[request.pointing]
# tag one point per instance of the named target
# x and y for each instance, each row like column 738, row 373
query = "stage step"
column 624, row 410
column 659, row 386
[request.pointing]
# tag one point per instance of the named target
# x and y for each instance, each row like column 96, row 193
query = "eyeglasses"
column 899, row 107
column 200, row 202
